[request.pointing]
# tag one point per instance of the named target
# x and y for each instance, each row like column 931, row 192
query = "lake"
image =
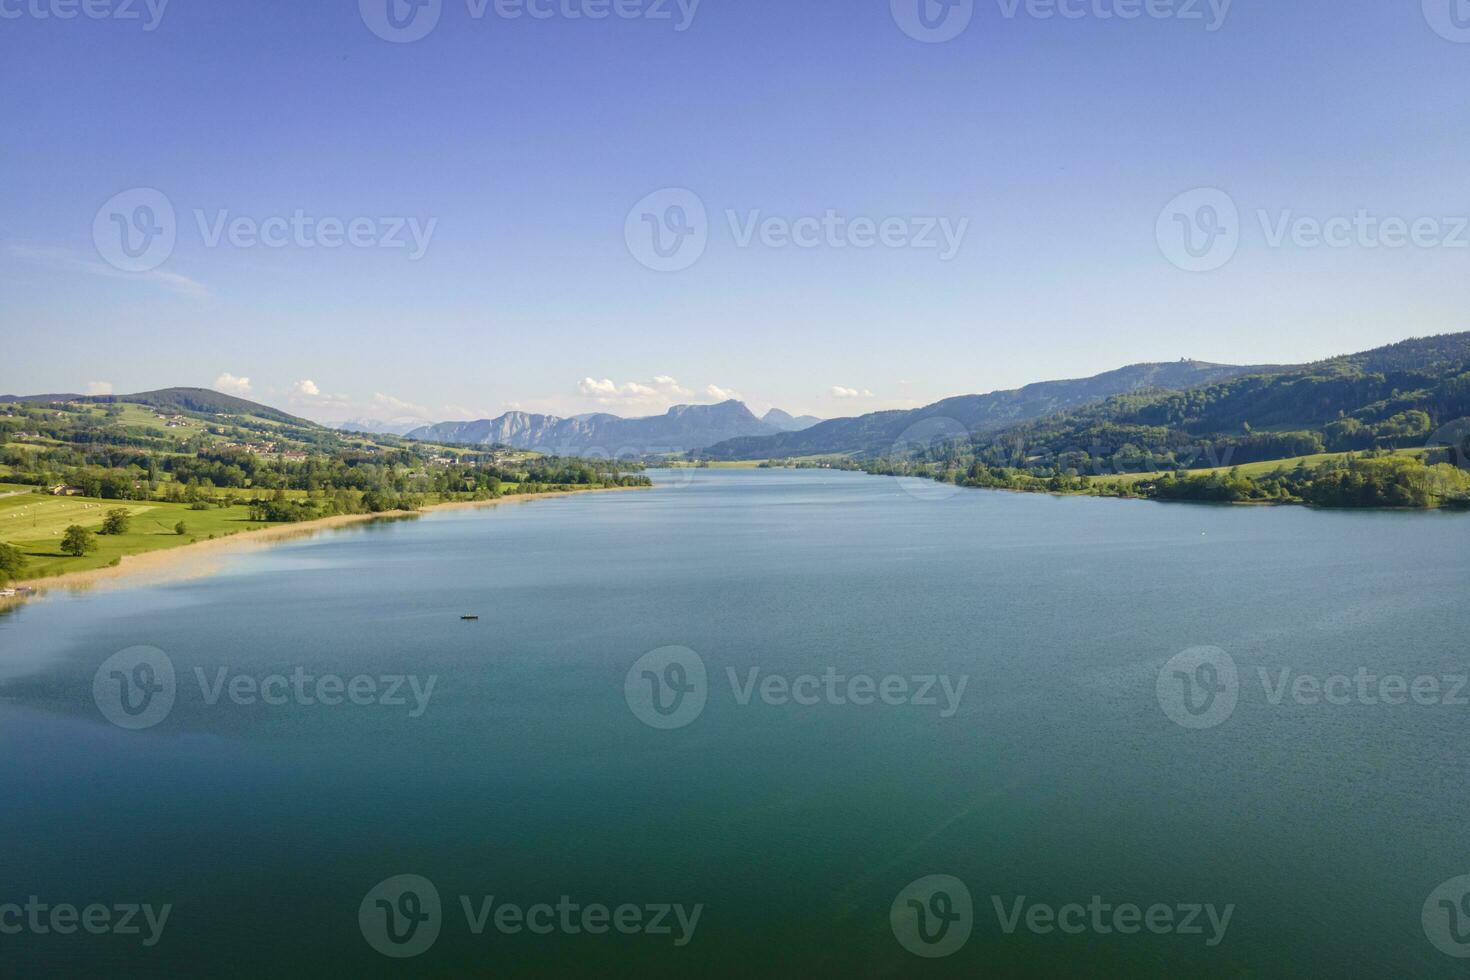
column 737, row 725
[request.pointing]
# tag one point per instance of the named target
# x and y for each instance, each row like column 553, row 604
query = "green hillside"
column 220, row 464
column 1345, row 411
column 880, row 432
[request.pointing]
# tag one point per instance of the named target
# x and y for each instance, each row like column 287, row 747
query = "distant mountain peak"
column 880, row 431
column 787, row 422
column 680, row 429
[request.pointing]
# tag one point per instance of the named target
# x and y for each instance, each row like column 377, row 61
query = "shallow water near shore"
column 1057, row 773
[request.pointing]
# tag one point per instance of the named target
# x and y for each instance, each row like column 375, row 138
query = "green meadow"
column 35, row 523
column 1253, row 470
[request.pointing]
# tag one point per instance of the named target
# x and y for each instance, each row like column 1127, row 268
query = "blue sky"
column 517, row 147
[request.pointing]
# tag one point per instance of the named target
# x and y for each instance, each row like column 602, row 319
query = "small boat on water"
column 469, row 617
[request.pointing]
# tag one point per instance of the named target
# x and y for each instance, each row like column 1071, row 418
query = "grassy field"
column 1246, row 469
column 35, row 524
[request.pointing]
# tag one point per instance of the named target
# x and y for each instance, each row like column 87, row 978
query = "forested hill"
column 1385, row 428
column 1393, row 397
column 200, row 400
column 880, row 432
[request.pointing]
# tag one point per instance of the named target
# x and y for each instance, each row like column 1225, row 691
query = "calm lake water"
column 1056, row 775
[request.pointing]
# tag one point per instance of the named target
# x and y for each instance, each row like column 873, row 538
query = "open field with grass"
column 1264, row 468
column 36, row 522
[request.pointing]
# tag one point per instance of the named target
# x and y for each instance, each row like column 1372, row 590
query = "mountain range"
column 380, row 427
column 879, row 432
column 1411, row 394
column 1390, row 396
column 681, row 429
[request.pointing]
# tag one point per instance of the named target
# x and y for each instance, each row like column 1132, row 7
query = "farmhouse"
column 66, row 490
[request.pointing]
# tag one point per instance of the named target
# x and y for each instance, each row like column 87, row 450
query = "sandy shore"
column 207, row 557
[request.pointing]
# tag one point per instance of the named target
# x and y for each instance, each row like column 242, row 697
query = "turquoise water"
column 1058, row 774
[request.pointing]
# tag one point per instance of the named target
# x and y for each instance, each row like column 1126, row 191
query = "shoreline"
column 200, row 558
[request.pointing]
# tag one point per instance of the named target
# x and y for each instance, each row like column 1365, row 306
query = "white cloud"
column 307, row 388
column 661, row 392
column 231, row 385
column 99, row 387
column 838, row 391
column 67, row 260
column 721, row 394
